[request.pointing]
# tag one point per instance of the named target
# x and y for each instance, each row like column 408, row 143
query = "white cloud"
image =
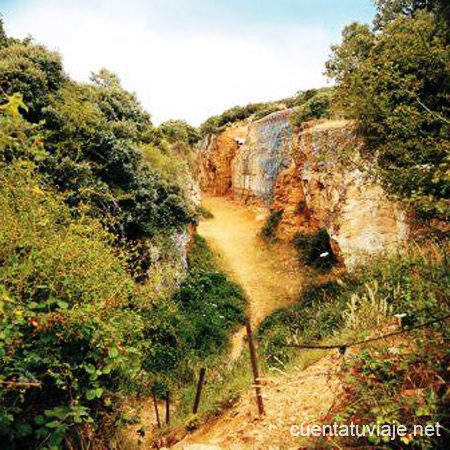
column 190, row 73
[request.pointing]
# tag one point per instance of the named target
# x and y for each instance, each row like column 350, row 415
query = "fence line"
column 342, row 347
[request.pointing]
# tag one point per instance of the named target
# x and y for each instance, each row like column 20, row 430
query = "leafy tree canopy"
column 394, row 79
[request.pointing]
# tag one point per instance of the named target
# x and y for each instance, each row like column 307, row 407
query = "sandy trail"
column 271, row 278
column 269, row 275
column 303, row 396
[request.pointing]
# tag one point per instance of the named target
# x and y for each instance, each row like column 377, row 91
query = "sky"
column 191, row 59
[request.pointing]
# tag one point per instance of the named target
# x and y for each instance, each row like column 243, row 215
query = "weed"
column 270, row 227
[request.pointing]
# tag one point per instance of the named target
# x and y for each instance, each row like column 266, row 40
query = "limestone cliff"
column 328, row 186
column 315, row 176
column 216, row 155
column 265, row 153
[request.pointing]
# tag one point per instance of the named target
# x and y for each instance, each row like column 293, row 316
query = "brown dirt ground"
column 269, row 274
column 271, row 278
column 303, row 396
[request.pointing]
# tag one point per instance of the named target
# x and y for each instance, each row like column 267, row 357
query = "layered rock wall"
column 328, row 186
column 315, row 176
column 265, row 153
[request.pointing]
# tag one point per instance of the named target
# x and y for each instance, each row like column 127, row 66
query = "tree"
column 32, row 71
column 179, row 131
column 3, row 37
column 395, row 82
column 389, row 10
column 126, row 116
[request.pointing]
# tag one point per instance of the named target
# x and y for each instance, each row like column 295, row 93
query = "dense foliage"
column 310, row 104
column 394, row 78
column 378, row 377
column 93, row 218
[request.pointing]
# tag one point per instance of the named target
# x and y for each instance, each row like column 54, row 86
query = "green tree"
column 122, row 110
column 396, row 83
column 3, row 37
column 179, row 131
column 32, row 71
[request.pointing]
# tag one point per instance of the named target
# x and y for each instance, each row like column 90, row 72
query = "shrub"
column 316, row 105
column 70, row 342
column 270, row 227
column 210, row 301
column 315, row 250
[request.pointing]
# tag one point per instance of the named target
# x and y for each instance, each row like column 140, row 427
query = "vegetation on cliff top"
column 306, row 105
column 394, row 78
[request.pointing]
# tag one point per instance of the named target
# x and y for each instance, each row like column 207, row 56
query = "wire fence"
column 342, row 347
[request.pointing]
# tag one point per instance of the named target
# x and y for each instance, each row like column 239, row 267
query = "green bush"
column 315, row 250
column 270, row 227
column 210, row 301
column 70, row 342
column 312, row 104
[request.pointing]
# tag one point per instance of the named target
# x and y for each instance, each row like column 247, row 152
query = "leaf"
column 24, row 430
column 94, row 393
column 113, row 352
column 89, row 368
column 62, row 304
column 39, row 420
column 53, row 424
column 98, row 392
column 90, row 395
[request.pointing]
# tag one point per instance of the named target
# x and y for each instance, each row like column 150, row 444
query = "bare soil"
column 271, row 279
column 269, row 273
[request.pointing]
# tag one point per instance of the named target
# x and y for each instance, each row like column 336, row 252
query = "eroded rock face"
column 328, row 186
column 216, row 154
column 315, row 176
column 265, row 153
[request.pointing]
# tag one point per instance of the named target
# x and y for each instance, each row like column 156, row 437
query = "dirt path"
column 269, row 275
column 302, row 397
column 271, row 279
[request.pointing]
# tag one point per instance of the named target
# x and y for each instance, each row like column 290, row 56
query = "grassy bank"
column 403, row 379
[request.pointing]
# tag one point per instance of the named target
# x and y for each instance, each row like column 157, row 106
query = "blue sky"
column 191, row 59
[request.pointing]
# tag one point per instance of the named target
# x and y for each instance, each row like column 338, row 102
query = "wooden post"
column 201, row 380
column 155, row 404
column 168, row 408
column 254, row 361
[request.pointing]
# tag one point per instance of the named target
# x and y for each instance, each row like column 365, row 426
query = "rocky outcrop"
column 328, row 186
column 216, row 155
column 315, row 176
column 265, row 153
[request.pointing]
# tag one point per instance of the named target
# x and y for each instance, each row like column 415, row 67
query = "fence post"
column 168, row 408
column 201, row 380
column 155, row 404
column 254, row 361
